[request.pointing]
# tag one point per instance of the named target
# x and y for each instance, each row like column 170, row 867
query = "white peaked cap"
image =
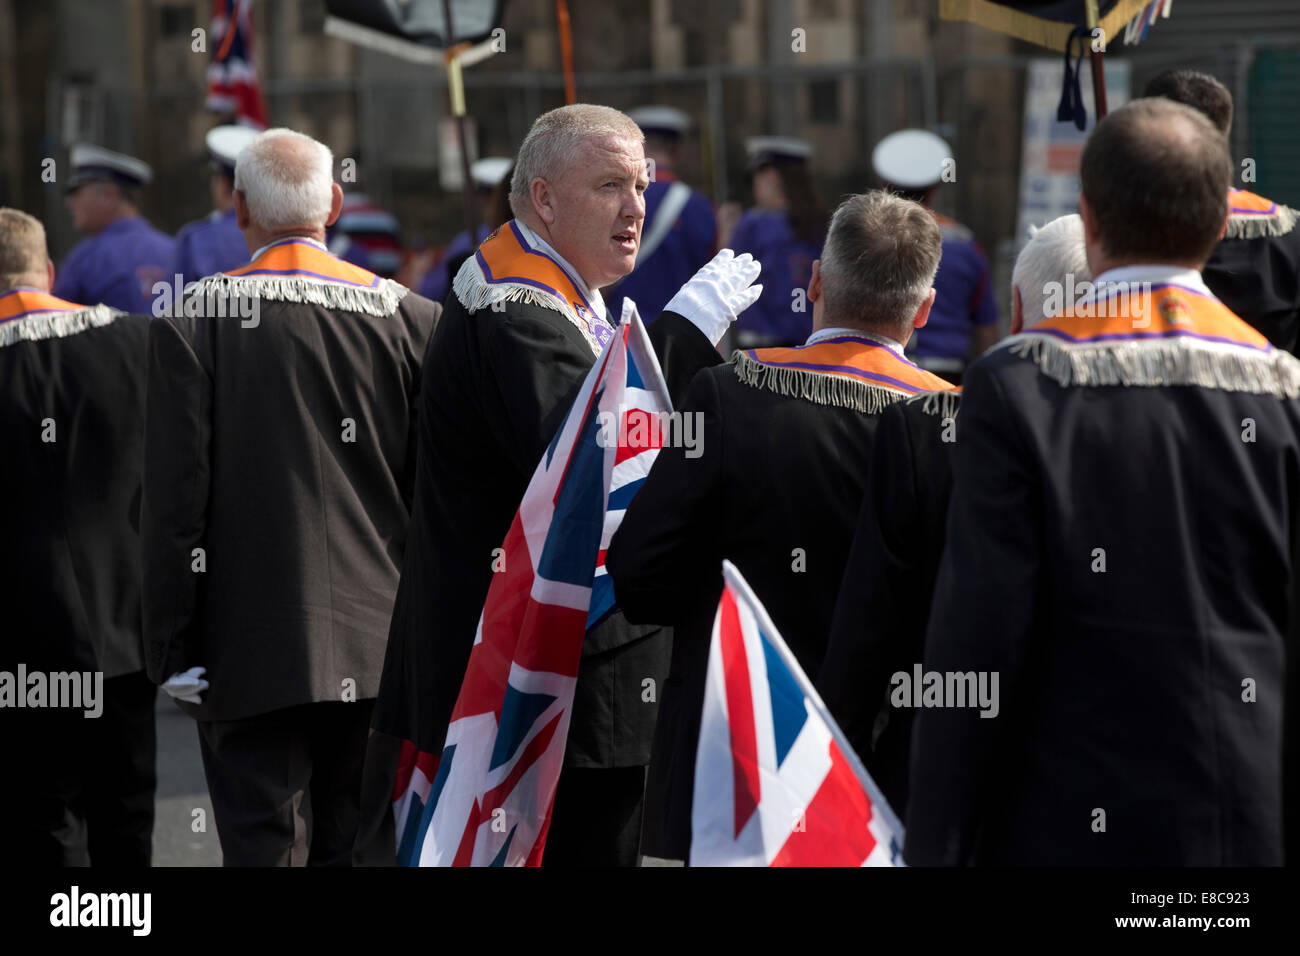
column 91, row 163
column 225, row 143
column 911, row 158
column 490, row 170
column 660, row 119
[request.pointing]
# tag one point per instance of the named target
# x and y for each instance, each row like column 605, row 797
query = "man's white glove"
column 187, row 685
column 714, row 297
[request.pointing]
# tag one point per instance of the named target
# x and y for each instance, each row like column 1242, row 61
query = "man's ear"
column 815, row 283
column 49, row 272
column 336, row 204
column 543, row 199
column 242, row 219
column 1223, row 227
column 1017, row 311
column 923, row 313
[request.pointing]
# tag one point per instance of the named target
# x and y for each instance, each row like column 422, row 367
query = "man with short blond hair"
column 278, row 465
column 524, row 325
column 72, row 385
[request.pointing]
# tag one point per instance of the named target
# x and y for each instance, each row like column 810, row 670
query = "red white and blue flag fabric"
column 776, row 781
column 486, row 799
column 232, row 76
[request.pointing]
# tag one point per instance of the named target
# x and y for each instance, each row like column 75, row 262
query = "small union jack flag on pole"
column 486, row 799
column 232, row 76
column 776, row 781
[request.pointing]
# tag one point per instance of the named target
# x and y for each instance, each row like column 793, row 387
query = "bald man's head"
column 23, row 257
column 1155, row 175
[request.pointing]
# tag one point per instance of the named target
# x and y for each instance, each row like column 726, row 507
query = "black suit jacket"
column 1125, row 561
column 70, row 564
column 776, row 490
column 884, row 602
column 501, row 383
column 1259, row 280
column 286, row 451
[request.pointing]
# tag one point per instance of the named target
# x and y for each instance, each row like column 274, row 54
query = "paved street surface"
column 181, row 790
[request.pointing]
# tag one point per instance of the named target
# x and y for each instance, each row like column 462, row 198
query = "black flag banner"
column 1044, row 22
column 419, row 22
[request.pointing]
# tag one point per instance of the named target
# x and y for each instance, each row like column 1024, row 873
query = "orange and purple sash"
column 849, row 371
column 1156, row 334
column 298, row 270
column 507, row 267
column 298, row 258
column 1251, row 215
column 29, row 314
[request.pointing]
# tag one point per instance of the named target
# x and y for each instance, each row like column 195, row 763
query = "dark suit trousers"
column 81, row 789
column 596, row 819
column 286, row 785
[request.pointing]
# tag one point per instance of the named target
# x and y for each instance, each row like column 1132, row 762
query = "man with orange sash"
column 880, row 620
column 79, row 772
column 524, row 324
column 1121, row 556
column 1255, row 268
column 775, row 481
column 280, row 453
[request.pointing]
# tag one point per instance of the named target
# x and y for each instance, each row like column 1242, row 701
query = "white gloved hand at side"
column 187, row 685
column 716, row 295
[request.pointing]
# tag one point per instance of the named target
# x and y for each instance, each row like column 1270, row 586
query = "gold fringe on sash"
column 1162, row 363
column 817, row 387
column 1253, row 227
column 381, row 301
column 56, row 325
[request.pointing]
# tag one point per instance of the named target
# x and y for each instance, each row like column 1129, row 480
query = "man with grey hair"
column 777, row 480
column 884, row 605
column 280, row 453
column 79, row 787
column 524, row 325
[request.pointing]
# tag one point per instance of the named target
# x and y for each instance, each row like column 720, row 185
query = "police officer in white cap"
column 784, row 231
column 491, row 176
column 214, row 243
column 964, row 320
column 123, row 256
column 679, row 234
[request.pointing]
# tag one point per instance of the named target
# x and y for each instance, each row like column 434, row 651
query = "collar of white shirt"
column 593, row 295
column 1155, row 274
column 856, row 333
column 317, row 244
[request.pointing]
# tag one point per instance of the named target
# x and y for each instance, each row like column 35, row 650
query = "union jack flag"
column 232, row 76
column 486, row 799
column 776, row 781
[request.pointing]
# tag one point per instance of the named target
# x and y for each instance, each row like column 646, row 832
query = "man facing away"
column 524, row 325
column 1121, row 552
column 878, row 630
column 774, row 479
column 72, row 383
column 1255, row 268
column 280, row 451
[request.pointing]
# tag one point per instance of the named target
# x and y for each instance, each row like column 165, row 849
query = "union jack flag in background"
column 232, row 77
column 776, row 781
column 486, row 799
